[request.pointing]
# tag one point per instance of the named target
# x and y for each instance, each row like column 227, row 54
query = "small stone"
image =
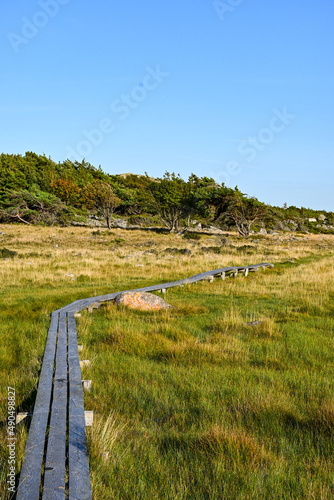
column 254, row 323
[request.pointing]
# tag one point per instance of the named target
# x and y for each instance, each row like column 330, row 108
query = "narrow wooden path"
column 55, row 464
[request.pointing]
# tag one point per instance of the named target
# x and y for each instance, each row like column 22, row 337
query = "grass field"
column 189, row 403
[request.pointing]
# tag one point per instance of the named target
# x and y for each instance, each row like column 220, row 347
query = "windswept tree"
column 101, row 196
column 203, row 191
column 171, row 200
column 33, row 206
column 244, row 212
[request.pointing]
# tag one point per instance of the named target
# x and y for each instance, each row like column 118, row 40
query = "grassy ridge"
column 188, row 403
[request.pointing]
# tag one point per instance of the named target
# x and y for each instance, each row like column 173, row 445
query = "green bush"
column 192, row 236
column 5, row 253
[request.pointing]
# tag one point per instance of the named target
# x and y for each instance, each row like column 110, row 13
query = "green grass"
column 189, row 403
column 213, row 408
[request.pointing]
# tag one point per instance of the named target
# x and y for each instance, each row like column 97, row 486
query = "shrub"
column 5, row 253
column 192, row 236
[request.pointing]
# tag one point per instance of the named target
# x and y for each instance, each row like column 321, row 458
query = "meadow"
column 189, row 403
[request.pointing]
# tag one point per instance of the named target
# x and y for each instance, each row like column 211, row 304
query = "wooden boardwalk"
column 55, row 464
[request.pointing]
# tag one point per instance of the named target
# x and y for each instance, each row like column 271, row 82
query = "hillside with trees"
column 36, row 190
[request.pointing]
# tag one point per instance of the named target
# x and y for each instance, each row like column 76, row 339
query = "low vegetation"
column 36, row 190
column 193, row 402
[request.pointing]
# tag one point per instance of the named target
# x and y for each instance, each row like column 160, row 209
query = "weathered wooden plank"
column 31, row 470
column 54, row 476
column 79, row 480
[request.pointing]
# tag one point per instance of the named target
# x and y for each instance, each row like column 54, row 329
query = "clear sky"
column 238, row 90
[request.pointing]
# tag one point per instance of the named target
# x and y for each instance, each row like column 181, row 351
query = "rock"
column 199, row 227
column 312, row 219
column 216, row 230
column 78, row 224
column 180, row 251
column 143, row 301
column 263, row 231
column 254, row 323
column 119, row 223
column 321, row 217
column 2, row 233
column 279, row 226
column 273, row 233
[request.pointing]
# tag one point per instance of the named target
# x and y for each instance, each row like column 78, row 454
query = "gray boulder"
column 119, row 223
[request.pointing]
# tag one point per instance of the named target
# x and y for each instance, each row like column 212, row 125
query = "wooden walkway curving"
column 55, row 463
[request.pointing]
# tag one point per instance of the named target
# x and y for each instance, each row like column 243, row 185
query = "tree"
column 100, row 195
column 203, row 193
column 66, row 190
column 171, row 199
column 33, row 206
column 244, row 212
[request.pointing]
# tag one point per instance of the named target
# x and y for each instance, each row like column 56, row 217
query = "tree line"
column 36, row 190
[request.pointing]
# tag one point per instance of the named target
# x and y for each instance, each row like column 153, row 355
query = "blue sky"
column 236, row 90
